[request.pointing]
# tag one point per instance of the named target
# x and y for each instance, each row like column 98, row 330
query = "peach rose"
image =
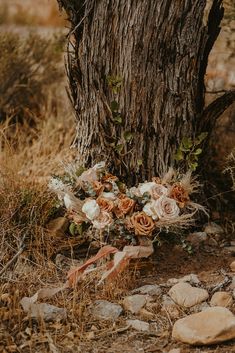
column 105, row 204
column 124, row 206
column 141, row 223
column 166, row 208
column 103, row 220
column 179, row 194
column 158, row 190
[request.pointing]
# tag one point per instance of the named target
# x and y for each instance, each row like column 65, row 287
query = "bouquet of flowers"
column 98, row 200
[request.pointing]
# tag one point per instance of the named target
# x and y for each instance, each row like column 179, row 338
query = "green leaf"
column 119, row 148
column 114, row 106
column 193, row 166
column 201, row 137
column 179, row 156
column 118, row 119
column 128, row 136
column 72, row 229
column 80, row 170
column 187, row 143
column 139, row 162
column 198, row 151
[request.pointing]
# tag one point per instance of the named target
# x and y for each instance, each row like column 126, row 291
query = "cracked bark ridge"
column 160, row 50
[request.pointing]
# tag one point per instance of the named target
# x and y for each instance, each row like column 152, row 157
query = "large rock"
column 47, row 312
column 151, row 289
column 185, row 295
column 213, row 325
column 221, row 299
column 104, row 310
column 135, row 303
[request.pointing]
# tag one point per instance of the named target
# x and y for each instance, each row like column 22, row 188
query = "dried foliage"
column 29, row 68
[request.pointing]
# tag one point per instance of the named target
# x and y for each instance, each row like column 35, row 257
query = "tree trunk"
column 136, row 71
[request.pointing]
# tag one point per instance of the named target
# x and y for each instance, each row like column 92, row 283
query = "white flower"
column 104, row 220
column 108, row 195
column 56, row 185
column 134, row 191
column 150, row 210
column 146, row 187
column 159, row 190
column 91, row 209
column 166, row 208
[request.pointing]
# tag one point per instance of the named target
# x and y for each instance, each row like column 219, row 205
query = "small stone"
column 213, row 228
column 135, row 303
column 192, row 279
column 197, row 238
column 185, row 295
column 169, row 306
column 104, row 310
column 138, row 325
column 47, row 312
column 211, row 326
column 221, row 299
column 151, row 289
column 232, row 266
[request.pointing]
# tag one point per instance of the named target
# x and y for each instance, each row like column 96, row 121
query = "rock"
column 232, row 284
column 169, row 306
column 47, row 312
column 221, row 299
column 211, row 326
column 135, row 303
column 213, row 228
column 232, row 266
column 185, row 295
column 104, row 310
column 197, row 238
column 58, row 226
column 151, row 289
column 192, row 279
column 138, row 325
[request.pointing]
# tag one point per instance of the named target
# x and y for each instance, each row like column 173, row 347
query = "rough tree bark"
column 159, row 51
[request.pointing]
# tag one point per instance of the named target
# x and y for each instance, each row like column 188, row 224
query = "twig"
column 21, row 249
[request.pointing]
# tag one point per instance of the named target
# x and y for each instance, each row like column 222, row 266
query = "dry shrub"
column 30, row 67
column 230, row 168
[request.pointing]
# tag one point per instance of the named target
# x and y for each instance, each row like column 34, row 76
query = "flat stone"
column 213, row 228
column 105, row 310
column 211, row 326
column 169, row 306
column 139, row 325
column 221, row 299
column 191, row 278
column 135, row 303
column 151, row 289
column 232, row 266
column 185, row 295
column 47, row 312
column 197, row 238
